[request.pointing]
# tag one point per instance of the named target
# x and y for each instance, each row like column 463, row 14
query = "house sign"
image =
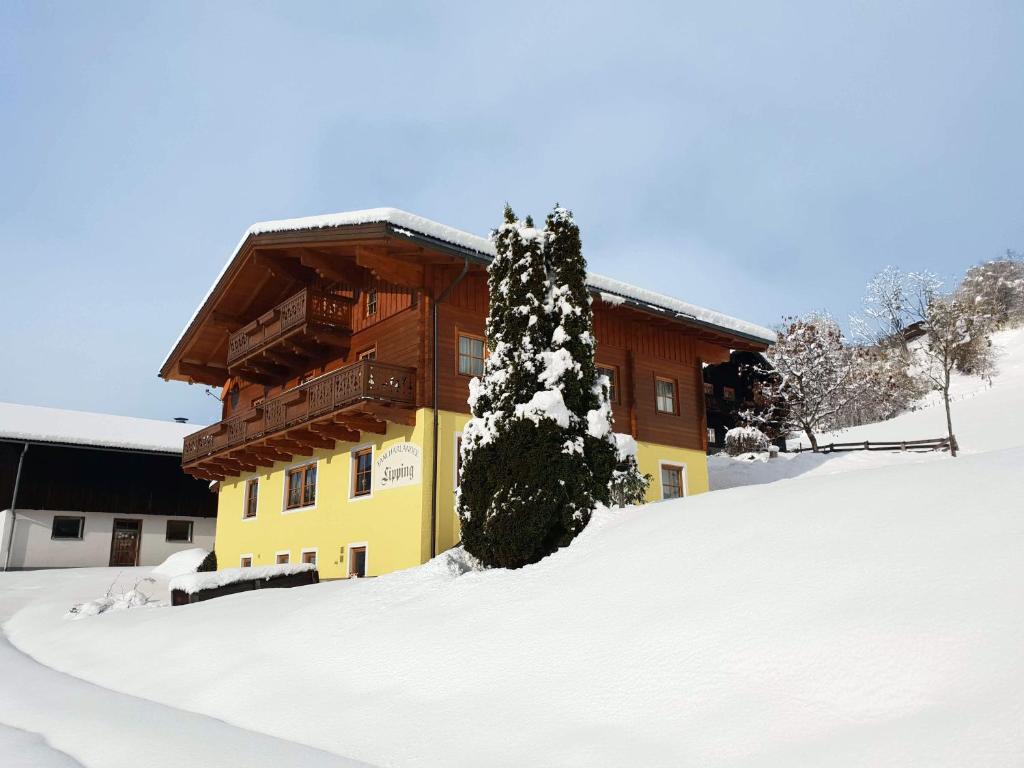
column 397, row 466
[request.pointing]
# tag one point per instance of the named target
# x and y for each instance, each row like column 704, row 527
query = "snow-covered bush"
column 209, row 563
column 627, row 485
column 537, row 454
column 114, row 601
column 745, row 440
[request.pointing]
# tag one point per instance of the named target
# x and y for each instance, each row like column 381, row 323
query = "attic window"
column 371, row 302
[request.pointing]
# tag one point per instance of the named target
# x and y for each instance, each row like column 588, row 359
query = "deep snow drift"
column 865, row 618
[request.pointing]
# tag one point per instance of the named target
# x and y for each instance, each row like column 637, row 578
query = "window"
column 672, row 486
column 613, row 381
column 362, row 472
column 301, row 487
column 709, row 389
column 728, row 393
column 371, row 302
column 368, row 354
column 252, row 492
column 309, row 556
column 665, row 393
column 179, row 531
column 357, row 562
column 283, row 558
column 471, row 355
column 245, row 561
column 711, row 435
column 67, row 527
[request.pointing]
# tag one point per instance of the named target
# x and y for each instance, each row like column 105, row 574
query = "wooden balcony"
column 334, row 406
column 306, row 327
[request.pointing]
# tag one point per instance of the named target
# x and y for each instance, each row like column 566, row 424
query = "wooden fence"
column 934, row 444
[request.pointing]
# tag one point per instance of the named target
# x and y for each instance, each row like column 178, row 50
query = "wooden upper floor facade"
column 319, row 329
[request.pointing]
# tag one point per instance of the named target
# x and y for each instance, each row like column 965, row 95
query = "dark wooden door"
column 124, row 543
column 357, row 562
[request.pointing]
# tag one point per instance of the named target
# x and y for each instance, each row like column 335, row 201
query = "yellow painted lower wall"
column 388, row 522
column 393, row 522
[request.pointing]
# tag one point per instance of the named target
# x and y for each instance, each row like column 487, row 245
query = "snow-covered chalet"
column 344, row 346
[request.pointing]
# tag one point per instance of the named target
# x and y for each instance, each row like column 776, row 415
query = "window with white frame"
column 673, row 481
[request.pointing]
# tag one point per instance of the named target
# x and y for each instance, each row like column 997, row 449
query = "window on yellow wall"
column 672, row 484
column 362, row 472
column 245, row 561
column 283, row 558
column 252, row 490
column 301, row 486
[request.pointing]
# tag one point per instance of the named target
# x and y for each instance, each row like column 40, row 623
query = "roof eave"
column 459, row 251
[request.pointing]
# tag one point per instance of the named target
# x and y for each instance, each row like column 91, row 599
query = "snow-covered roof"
column 35, row 423
column 404, row 222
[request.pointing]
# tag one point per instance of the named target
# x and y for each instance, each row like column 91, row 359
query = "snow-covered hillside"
column 986, row 416
column 866, row 618
column 868, row 611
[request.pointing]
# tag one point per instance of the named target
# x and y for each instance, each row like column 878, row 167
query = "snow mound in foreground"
column 858, row 619
column 180, row 563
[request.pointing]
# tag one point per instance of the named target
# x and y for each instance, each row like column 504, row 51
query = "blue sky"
column 758, row 158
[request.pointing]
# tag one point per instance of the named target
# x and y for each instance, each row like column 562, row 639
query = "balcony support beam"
column 336, row 431
column 361, row 422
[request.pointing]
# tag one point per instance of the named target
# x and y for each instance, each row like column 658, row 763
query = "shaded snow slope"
column 859, row 619
column 50, row 719
column 985, row 417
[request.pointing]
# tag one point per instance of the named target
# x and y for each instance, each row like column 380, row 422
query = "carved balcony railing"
column 327, row 396
column 308, row 309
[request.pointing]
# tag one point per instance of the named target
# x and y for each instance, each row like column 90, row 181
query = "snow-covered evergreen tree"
column 538, row 453
column 628, row 485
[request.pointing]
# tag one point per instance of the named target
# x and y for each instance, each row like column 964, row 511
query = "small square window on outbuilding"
column 179, row 531
column 67, row 528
